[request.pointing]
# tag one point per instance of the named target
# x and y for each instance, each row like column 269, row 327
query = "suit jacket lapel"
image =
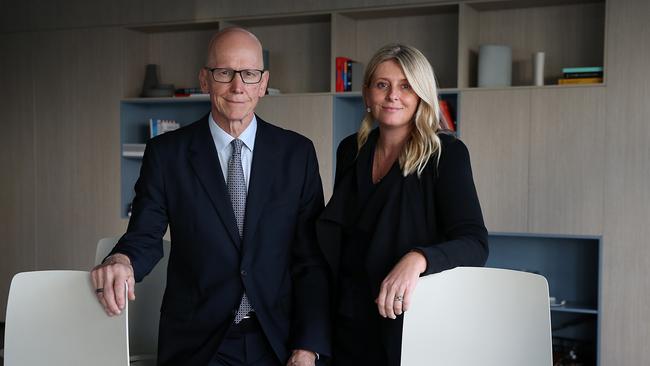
column 263, row 171
column 205, row 163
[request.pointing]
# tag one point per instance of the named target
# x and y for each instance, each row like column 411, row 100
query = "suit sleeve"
column 310, row 324
column 460, row 221
column 142, row 242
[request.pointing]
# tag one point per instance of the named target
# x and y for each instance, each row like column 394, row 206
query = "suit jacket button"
column 243, row 273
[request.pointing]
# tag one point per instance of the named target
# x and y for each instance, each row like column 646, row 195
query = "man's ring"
column 99, row 291
column 399, row 298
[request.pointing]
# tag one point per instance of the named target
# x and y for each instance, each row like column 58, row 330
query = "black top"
column 366, row 229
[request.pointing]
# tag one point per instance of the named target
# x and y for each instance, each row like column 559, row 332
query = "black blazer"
column 278, row 262
column 437, row 213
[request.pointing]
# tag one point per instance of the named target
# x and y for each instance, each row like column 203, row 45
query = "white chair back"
column 478, row 316
column 53, row 318
column 144, row 312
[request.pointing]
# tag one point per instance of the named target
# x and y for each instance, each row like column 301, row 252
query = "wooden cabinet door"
column 495, row 125
column 567, row 160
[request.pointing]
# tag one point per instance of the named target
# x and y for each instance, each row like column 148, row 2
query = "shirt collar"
column 222, row 139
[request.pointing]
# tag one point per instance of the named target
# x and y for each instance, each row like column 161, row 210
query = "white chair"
column 144, row 312
column 53, row 318
column 478, row 316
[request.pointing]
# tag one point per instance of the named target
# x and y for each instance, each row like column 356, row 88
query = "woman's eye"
column 406, row 86
column 382, row 85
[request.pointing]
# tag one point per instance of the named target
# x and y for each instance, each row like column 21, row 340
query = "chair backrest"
column 478, row 316
column 144, row 312
column 53, row 318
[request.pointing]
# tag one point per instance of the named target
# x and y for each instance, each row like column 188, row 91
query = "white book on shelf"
column 160, row 126
column 133, row 150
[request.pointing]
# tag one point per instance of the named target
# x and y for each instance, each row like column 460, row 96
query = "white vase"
column 494, row 65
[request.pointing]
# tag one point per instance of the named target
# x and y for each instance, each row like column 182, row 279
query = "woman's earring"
column 368, row 109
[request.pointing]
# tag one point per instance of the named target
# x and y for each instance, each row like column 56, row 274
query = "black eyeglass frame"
column 211, row 70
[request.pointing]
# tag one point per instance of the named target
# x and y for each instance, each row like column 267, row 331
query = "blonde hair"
column 423, row 141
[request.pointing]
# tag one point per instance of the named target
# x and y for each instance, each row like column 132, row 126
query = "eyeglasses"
column 224, row 75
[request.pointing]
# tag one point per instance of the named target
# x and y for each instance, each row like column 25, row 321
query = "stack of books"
column 349, row 75
column 582, row 75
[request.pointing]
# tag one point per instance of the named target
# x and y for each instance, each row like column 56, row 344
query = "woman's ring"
column 399, row 298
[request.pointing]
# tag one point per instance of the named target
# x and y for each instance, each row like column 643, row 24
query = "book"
column 159, row 126
column 580, row 81
column 568, row 70
column 577, row 75
column 446, row 118
column 341, row 66
column 355, row 76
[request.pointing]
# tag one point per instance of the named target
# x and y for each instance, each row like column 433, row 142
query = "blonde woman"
column 404, row 206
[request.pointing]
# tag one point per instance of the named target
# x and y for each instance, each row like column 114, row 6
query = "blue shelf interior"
column 134, row 117
column 571, row 267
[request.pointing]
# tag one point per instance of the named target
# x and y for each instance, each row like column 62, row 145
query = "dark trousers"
column 245, row 345
column 358, row 342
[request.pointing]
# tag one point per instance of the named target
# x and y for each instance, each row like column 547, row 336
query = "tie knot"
column 236, row 146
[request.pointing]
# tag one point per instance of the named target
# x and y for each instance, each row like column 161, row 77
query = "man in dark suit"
column 246, row 282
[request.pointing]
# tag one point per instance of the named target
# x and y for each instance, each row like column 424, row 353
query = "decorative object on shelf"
column 151, row 88
column 494, row 65
column 554, row 302
column 538, row 68
column 581, row 75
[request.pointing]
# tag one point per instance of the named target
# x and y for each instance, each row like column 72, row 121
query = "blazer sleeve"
column 310, row 324
column 460, row 221
column 142, row 242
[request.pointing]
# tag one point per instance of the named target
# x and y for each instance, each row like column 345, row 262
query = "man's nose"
column 237, row 84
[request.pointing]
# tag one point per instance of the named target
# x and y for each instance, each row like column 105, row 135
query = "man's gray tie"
column 237, row 190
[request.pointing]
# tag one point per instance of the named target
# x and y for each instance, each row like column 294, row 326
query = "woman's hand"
column 396, row 289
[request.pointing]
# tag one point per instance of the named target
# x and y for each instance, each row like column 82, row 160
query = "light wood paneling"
column 435, row 35
column 55, row 152
column 468, row 45
column 625, row 330
column 570, row 35
column 17, row 204
column 45, row 14
column 343, row 45
column 136, row 56
column 495, row 125
column 299, row 55
column 310, row 116
column 567, row 160
column 77, row 144
column 180, row 56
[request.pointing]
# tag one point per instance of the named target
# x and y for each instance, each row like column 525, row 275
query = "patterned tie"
column 237, row 191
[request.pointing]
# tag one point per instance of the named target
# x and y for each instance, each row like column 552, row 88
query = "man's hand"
column 396, row 289
column 301, row 357
column 109, row 279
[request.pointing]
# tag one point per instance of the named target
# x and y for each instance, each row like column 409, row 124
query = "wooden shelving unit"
column 513, row 133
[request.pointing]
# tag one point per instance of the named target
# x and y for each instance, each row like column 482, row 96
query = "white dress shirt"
column 222, row 142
